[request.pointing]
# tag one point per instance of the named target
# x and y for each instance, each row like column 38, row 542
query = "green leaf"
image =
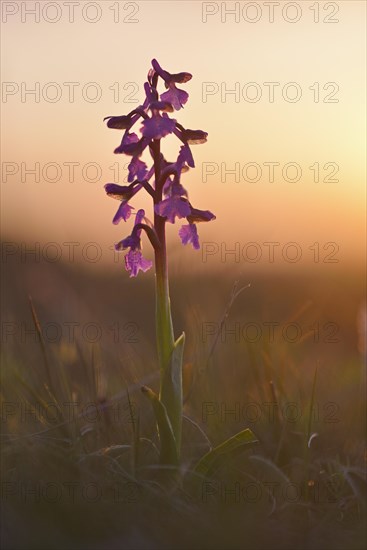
column 169, row 453
column 171, row 389
column 214, row 458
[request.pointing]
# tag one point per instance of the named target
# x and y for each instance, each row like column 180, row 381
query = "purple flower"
column 176, row 97
column 189, row 234
column 134, row 261
column 167, row 186
column 132, row 241
column 197, row 216
column 172, row 207
column 161, row 106
column 185, row 156
column 169, row 78
column 122, row 122
column 173, row 187
column 194, row 137
column 151, row 95
column 131, row 145
column 184, row 160
column 158, row 126
column 123, row 213
column 169, row 196
column 123, row 193
column 127, row 139
column 137, row 169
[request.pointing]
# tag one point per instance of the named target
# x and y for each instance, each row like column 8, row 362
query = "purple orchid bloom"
column 134, row 260
column 169, row 196
column 173, row 187
column 127, row 139
column 161, row 106
column 184, row 161
column 194, row 137
column 191, row 137
column 189, row 234
column 174, row 206
column 123, row 213
column 169, row 78
column 133, row 240
column 137, row 170
column 197, row 216
column 123, row 193
column 158, row 126
column 185, row 157
column 175, row 96
column 131, row 145
column 122, row 122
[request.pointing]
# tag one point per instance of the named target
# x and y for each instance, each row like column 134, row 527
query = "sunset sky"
column 115, row 56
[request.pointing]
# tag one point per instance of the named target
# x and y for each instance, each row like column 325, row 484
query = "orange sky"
column 240, row 131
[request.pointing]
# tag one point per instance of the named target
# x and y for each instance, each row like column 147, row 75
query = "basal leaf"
column 168, row 453
column 171, row 389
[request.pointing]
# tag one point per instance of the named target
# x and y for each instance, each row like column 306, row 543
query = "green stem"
column 170, row 386
column 164, row 328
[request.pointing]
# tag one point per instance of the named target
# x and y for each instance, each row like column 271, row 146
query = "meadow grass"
column 80, row 451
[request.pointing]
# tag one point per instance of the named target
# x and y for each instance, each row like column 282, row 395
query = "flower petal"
column 137, row 169
column 197, row 216
column 172, row 187
column 127, row 139
column 185, row 156
column 158, row 127
column 181, row 78
column 161, row 106
column 150, row 93
column 133, row 149
column 123, row 213
column 173, row 207
column 122, row 122
column 168, row 77
column 132, row 242
column 122, row 192
column 189, row 234
column 116, row 191
column 194, row 137
column 134, row 262
column 176, row 97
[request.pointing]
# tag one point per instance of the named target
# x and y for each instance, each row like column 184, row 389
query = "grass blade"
column 214, row 458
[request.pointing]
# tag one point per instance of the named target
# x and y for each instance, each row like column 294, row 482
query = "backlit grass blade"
column 213, row 459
